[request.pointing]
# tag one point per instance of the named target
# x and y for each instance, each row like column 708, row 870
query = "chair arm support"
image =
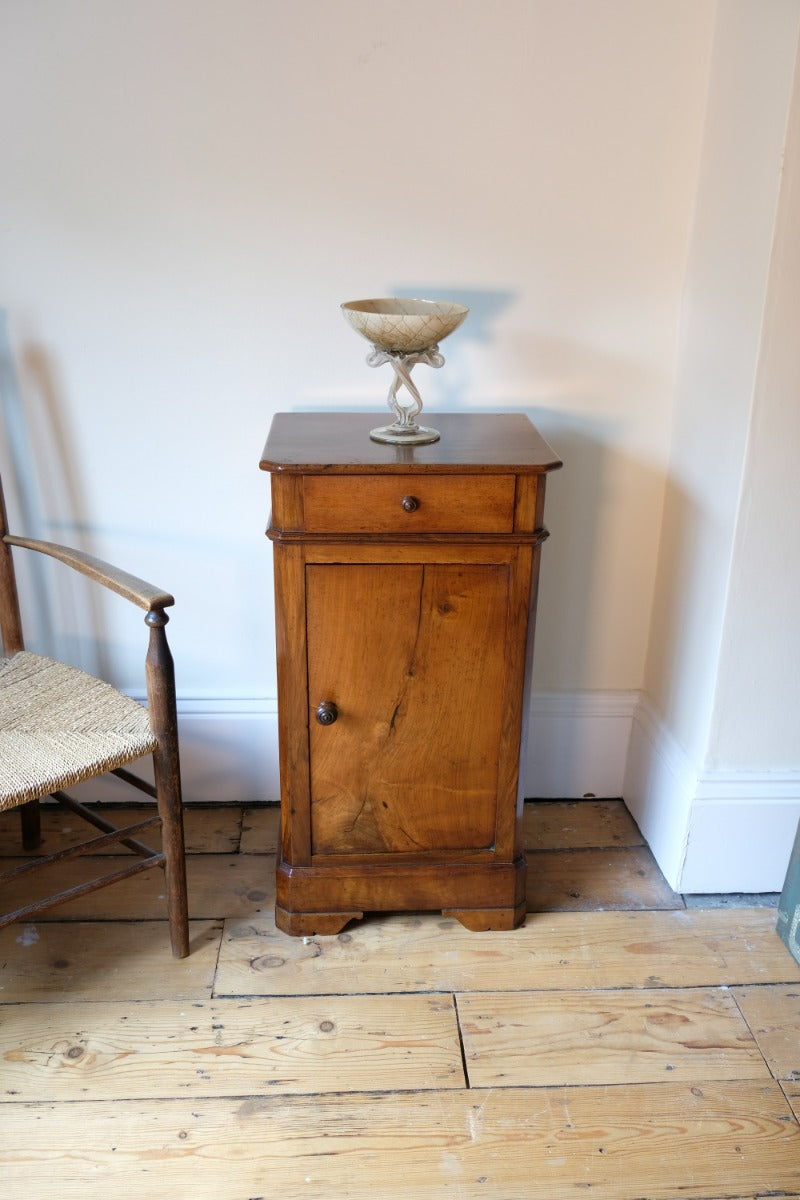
column 138, row 591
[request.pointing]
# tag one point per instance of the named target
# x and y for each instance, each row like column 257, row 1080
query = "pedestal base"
column 322, row 900
column 398, row 435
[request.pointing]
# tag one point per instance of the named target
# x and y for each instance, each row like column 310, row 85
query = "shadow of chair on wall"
column 43, row 494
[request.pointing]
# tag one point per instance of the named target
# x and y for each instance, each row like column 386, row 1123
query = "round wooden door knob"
column 327, row 712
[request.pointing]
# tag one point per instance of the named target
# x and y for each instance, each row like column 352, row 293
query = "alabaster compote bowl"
column 404, row 333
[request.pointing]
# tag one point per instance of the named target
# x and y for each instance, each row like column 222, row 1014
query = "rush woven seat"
column 60, row 726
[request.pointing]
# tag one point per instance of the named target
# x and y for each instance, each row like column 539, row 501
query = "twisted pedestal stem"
column 405, row 430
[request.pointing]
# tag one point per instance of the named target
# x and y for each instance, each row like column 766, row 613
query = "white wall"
column 190, row 190
column 715, row 679
column 760, row 649
column 726, row 283
column 754, row 731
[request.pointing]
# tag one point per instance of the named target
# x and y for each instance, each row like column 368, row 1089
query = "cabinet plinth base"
column 310, row 924
column 480, row 920
column 322, row 900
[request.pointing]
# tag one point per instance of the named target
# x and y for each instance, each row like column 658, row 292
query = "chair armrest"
column 138, row 591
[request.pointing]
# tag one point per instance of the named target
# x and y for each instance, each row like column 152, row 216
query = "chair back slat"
column 10, row 620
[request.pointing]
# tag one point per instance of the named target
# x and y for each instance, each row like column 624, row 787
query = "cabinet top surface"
column 339, row 443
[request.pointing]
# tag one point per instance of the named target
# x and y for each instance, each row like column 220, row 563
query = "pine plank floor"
column 621, row 1045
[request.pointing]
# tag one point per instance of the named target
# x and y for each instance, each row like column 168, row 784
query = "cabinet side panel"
column 287, row 502
column 526, row 708
column 509, row 805
column 290, row 628
column 525, row 504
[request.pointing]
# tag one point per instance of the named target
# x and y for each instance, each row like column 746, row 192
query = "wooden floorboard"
column 792, row 1090
column 660, row 1141
column 220, row 885
column 166, row 1048
column 579, row 825
column 633, row 1036
column 773, row 1014
column 208, row 830
column 260, row 828
column 240, row 885
column 55, row 962
column 623, row 877
column 552, row 952
column 619, row 1046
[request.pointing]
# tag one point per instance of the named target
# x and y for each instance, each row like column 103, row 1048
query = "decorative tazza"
column 404, row 332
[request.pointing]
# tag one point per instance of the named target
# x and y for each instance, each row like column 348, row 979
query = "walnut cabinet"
column 405, row 587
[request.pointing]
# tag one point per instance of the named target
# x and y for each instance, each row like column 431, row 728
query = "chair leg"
column 166, row 766
column 168, row 791
column 30, row 819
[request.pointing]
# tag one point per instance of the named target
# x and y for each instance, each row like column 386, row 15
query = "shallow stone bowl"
column 402, row 326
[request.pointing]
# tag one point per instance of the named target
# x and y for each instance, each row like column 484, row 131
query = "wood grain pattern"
column 411, row 763
column 403, row 637
column 636, row 1036
column 547, row 825
column 260, row 830
column 579, row 825
column 145, row 595
column 103, row 1051
column 287, row 502
column 377, row 887
column 290, row 632
column 209, row 830
column 623, row 877
column 358, row 1090
column 57, row 961
column 773, row 1014
column 695, row 948
column 220, row 885
column 324, row 441
column 442, row 504
column 662, row 1141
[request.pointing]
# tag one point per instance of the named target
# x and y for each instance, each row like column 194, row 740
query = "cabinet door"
column 413, row 657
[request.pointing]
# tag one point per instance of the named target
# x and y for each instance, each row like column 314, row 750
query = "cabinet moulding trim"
column 522, row 538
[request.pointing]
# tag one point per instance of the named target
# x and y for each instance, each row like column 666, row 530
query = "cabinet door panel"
column 413, row 657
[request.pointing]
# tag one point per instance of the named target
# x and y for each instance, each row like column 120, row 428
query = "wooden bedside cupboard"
column 405, row 589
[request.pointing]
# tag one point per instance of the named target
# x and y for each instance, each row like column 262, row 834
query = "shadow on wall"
column 485, row 307
column 569, row 555
column 687, row 608
column 599, row 506
column 39, row 481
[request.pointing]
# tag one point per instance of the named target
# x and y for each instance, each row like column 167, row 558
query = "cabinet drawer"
column 409, row 503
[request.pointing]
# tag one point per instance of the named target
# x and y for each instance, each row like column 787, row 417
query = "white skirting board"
column 711, row 831
column 576, row 745
column 229, row 750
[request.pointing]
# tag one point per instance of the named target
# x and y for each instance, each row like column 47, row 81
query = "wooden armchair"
column 60, row 726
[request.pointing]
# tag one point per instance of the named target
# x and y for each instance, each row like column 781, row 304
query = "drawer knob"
column 410, row 503
column 327, row 712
